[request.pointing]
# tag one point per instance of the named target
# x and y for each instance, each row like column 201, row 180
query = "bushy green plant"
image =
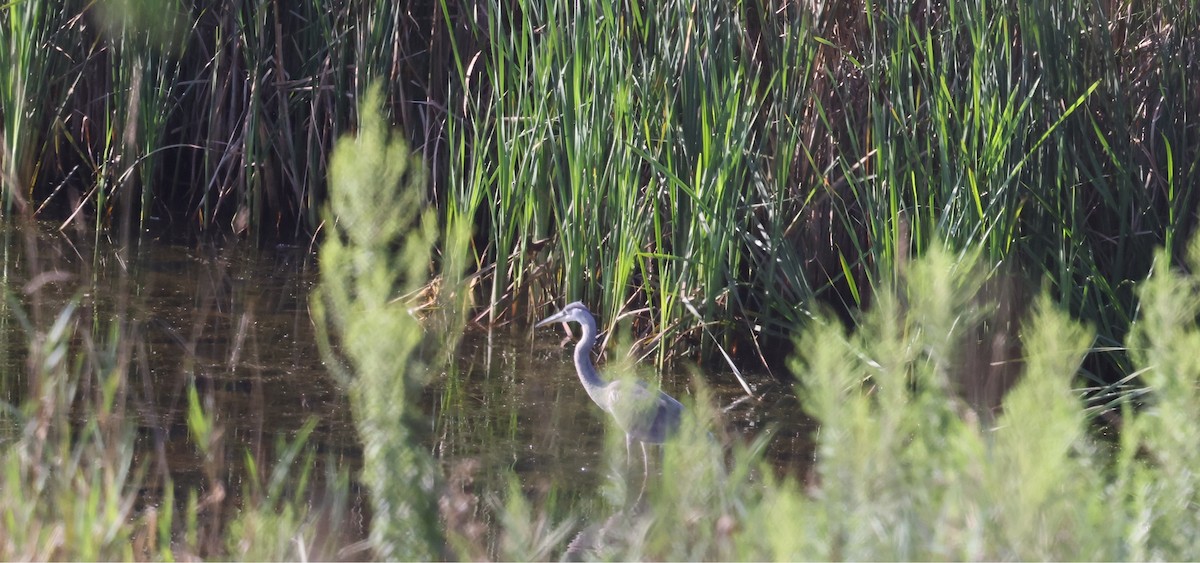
column 909, row 470
column 1160, row 442
column 379, row 246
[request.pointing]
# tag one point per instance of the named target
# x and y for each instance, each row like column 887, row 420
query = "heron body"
column 646, row 415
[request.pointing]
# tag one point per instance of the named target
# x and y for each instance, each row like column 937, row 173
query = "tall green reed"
column 274, row 84
column 143, row 44
column 722, row 174
column 26, row 63
column 1015, row 126
column 646, row 150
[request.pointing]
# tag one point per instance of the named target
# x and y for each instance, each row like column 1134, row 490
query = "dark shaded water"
column 234, row 319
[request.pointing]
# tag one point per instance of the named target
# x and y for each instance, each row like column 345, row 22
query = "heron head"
column 577, row 312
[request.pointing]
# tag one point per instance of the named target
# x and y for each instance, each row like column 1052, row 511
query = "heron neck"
column 583, row 358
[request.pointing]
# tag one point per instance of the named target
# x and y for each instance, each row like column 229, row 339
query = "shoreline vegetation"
column 968, row 228
column 707, row 175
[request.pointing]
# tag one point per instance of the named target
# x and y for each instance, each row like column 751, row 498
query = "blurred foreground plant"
column 68, row 486
column 906, row 468
column 379, row 245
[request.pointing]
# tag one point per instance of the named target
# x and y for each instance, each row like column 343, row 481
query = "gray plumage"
column 645, row 415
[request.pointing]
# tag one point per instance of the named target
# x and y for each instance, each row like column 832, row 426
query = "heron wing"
column 645, row 414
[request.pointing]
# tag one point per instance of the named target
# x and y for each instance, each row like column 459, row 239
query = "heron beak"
column 552, row 318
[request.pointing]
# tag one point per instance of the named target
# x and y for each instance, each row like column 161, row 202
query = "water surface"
column 233, row 319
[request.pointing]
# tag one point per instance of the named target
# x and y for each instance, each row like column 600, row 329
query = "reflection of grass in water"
column 68, row 481
column 74, row 484
column 80, row 477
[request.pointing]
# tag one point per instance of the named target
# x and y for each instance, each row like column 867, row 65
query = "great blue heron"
column 645, row 415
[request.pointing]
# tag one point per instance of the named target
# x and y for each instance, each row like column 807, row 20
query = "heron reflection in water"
column 646, row 415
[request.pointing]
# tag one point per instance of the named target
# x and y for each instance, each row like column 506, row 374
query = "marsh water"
column 234, row 319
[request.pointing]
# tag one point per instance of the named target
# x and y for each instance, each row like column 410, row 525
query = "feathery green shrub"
column 905, row 468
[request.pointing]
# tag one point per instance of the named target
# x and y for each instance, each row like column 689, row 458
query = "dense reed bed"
column 708, row 172
column 196, row 116
column 713, row 170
